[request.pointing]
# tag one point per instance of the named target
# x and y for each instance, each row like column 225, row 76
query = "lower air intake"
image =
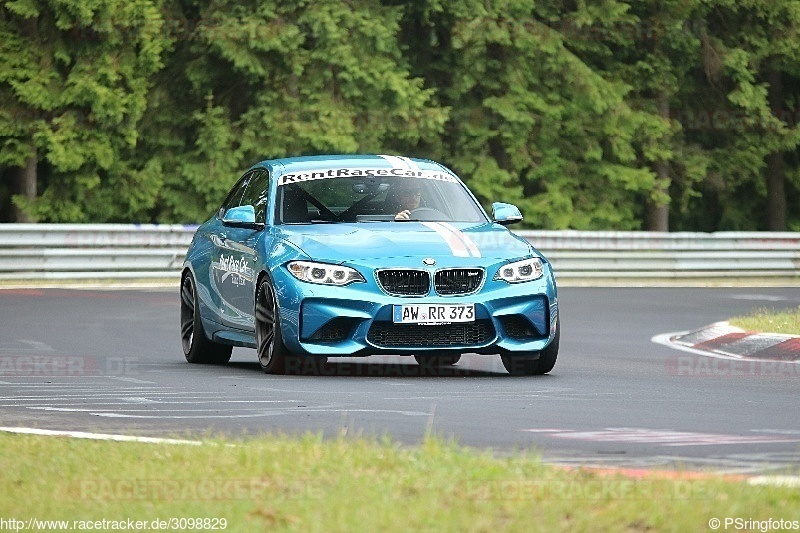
column 389, row 335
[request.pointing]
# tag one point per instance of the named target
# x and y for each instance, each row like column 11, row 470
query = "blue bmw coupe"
column 325, row 256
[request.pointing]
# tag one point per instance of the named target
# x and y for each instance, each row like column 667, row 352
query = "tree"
column 74, row 78
column 655, row 56
column 535, row 123
column 679, row 114
column 263, row 79
column 748, row 127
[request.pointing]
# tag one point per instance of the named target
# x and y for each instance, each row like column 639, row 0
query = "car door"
column 236, row 261
column 213, row 236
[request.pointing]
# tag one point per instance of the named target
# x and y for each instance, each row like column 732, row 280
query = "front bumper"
column 356, row 320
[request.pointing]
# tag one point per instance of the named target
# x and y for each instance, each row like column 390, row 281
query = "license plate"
column 433, row 313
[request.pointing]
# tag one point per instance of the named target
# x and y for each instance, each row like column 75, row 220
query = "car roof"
column 305, row 163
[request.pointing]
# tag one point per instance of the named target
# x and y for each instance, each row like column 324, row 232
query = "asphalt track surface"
column 110, row 361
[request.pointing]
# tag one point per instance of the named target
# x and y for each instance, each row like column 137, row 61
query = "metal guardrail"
column 660, row 255
column 123, row 251
column 92, row 251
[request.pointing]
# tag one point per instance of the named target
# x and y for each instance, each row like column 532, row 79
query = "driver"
column 408, row 198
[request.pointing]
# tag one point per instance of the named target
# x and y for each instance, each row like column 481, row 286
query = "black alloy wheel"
column 196, row 346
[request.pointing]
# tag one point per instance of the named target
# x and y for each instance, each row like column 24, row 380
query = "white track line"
column 97, row 436
column 792, row 482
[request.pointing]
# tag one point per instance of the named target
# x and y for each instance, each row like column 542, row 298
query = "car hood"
column 364, row 241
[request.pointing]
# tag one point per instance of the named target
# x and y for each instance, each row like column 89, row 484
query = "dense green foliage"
column 609, row 114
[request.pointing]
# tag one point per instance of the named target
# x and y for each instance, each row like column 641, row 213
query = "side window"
column 257, row 194
column 235, row 196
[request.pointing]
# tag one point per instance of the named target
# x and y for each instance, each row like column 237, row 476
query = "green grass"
column 311, row 484
column 770, row 321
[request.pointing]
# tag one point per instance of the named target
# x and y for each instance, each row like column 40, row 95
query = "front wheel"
column 272, row 353
column 196, row 347
column 521, row 365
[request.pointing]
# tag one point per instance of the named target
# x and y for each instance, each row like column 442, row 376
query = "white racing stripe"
column 405, row 163
column 398, row 162
column 411, row 164
column 459, row 243
column 455, row 244
column 471, row 246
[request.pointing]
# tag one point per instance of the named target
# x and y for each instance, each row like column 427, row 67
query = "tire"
column 438, row 360
column 272, row 353
column 197, row 347
column 522, row 365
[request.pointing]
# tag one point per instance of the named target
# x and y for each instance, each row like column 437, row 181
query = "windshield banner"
column 320, row 174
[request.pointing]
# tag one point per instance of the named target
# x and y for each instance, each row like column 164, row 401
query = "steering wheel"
column 427, row 214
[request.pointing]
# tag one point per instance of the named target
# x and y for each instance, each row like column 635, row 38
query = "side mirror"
column 243, row 216
column 505, row 214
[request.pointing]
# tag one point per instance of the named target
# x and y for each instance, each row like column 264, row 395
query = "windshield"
column 323, row 196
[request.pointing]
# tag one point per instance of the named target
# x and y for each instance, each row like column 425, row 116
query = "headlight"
column 526, row 270
column 323, row 273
